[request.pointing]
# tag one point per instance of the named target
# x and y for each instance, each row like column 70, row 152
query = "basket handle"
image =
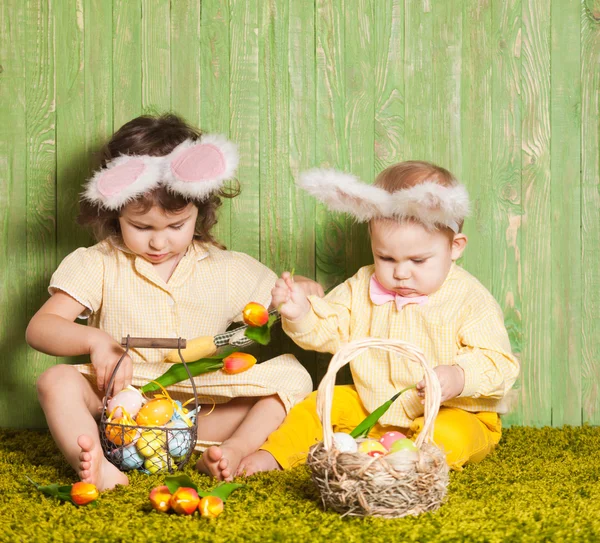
column 355, row 348
column 154, row 342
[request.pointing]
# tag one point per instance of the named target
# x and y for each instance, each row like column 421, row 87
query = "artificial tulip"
column 83, row 493
column 238, row 362
column 210, row 506
column 160, row 498
column 255, row 314
column 184, row 501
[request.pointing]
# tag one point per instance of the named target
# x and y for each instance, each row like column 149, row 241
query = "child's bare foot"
column 256, row 462
column 95, row 469
column 220, row 462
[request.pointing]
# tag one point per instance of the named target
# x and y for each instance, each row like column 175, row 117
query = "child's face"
column 410, row 260
column 156, row 235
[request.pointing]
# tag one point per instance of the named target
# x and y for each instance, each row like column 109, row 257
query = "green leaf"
column 262, row 334
column 223, row 490
column 177, row 372
column 173, row 482
column 62, row 492
column 363, row 429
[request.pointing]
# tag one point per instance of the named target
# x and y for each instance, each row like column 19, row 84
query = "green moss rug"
column 539, row 485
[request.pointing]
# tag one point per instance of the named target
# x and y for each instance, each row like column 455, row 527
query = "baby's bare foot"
column 256, row 462
column 95, row 469
column 220, row 462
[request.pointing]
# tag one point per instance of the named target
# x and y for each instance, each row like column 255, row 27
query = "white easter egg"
column 344, row 442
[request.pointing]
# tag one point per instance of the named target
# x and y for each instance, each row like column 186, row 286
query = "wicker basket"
column 119, row 440
column 357, row 484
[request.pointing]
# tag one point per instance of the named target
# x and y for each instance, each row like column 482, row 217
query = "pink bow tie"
column 380, row 295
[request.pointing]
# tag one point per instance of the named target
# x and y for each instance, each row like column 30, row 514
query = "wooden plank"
column 185, row 59
column 72, row 154
column 331, row 150
column 506, row 175
column 245, row 114
column 536, row 235
column 418, row 72
column 126, row 63
column 590, row 210
column 276, row 189
column 41, row 121
column 302, row 138
column 388, row 42
column 446, row 102
column 476, row 140
column 565, row 190
column 15, row 386
column 156, row 56
column 215, row 90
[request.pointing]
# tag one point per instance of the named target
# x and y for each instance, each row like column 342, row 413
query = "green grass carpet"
column 539, row 485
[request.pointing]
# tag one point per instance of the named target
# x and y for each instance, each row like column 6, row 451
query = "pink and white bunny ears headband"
column 429, row 203
column 194, row 169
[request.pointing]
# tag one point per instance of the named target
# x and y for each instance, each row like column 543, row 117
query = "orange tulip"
column 210, row 506
column 238, row 362
column 255, row 314
column 160, row 498
column 83, row 493
column 184, row 501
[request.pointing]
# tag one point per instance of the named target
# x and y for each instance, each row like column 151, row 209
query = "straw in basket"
column 357, row 484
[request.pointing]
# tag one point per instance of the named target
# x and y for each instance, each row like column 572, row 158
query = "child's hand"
column 104, row 354
column 289, row 299
column 310, row 287
column 452, row 381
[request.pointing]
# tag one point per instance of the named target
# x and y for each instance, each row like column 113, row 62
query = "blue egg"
column 179, row 442
column 132, row 459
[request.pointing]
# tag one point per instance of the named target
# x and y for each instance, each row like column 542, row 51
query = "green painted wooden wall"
column 505, row 93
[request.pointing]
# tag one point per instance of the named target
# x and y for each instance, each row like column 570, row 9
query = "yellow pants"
column 465, row 437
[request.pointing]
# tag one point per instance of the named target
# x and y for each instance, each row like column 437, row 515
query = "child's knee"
column 55, row 378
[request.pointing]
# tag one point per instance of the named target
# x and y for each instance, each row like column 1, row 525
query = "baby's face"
column 410, row 260
column 158, row 236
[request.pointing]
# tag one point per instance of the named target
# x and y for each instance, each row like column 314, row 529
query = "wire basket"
column 150, row 448
column 390, row 486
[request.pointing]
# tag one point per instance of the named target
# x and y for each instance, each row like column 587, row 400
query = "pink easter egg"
column 129, row 398
column 388, row 438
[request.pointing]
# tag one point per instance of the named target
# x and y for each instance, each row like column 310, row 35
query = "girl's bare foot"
column 95, row 469
column 220, row 462
column 256, row 462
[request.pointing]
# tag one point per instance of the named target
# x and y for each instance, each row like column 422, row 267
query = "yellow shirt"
column 208, row 290
column 460, row 323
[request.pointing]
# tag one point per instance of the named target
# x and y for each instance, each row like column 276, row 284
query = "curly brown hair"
column 154, row 136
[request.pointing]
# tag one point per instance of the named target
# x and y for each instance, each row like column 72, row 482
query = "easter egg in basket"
column 130, row 399
column 179, row 438
column 151, row 442
column 158, row 463
column 120, row 433
column 156, row 412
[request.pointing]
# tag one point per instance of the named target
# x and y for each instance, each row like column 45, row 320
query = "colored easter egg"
column 370, row 445
column 129, row 399
column 157, row 463
column 131, row 458
column 156, row 412
column 151, row 442
column 179, row 442
column 120, row 434
column 389, row 437
column 403, row 444
column 344, row 442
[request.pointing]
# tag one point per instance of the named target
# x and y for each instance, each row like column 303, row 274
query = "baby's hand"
column 105, row 353
column 289, row 299
column 310, row 287
column 452, row 381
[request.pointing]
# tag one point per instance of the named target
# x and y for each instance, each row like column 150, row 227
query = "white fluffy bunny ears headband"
column 195, row 169
column 430, row 203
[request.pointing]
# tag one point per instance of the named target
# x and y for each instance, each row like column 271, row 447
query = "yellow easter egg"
column 156, row 412
column 151, row 442
column 370, row 445
column 157, row 463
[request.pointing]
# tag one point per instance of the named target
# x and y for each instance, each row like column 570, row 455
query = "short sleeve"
column 248, row 281
column 81, row 276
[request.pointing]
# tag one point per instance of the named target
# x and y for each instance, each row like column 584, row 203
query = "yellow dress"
column 208, row 290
